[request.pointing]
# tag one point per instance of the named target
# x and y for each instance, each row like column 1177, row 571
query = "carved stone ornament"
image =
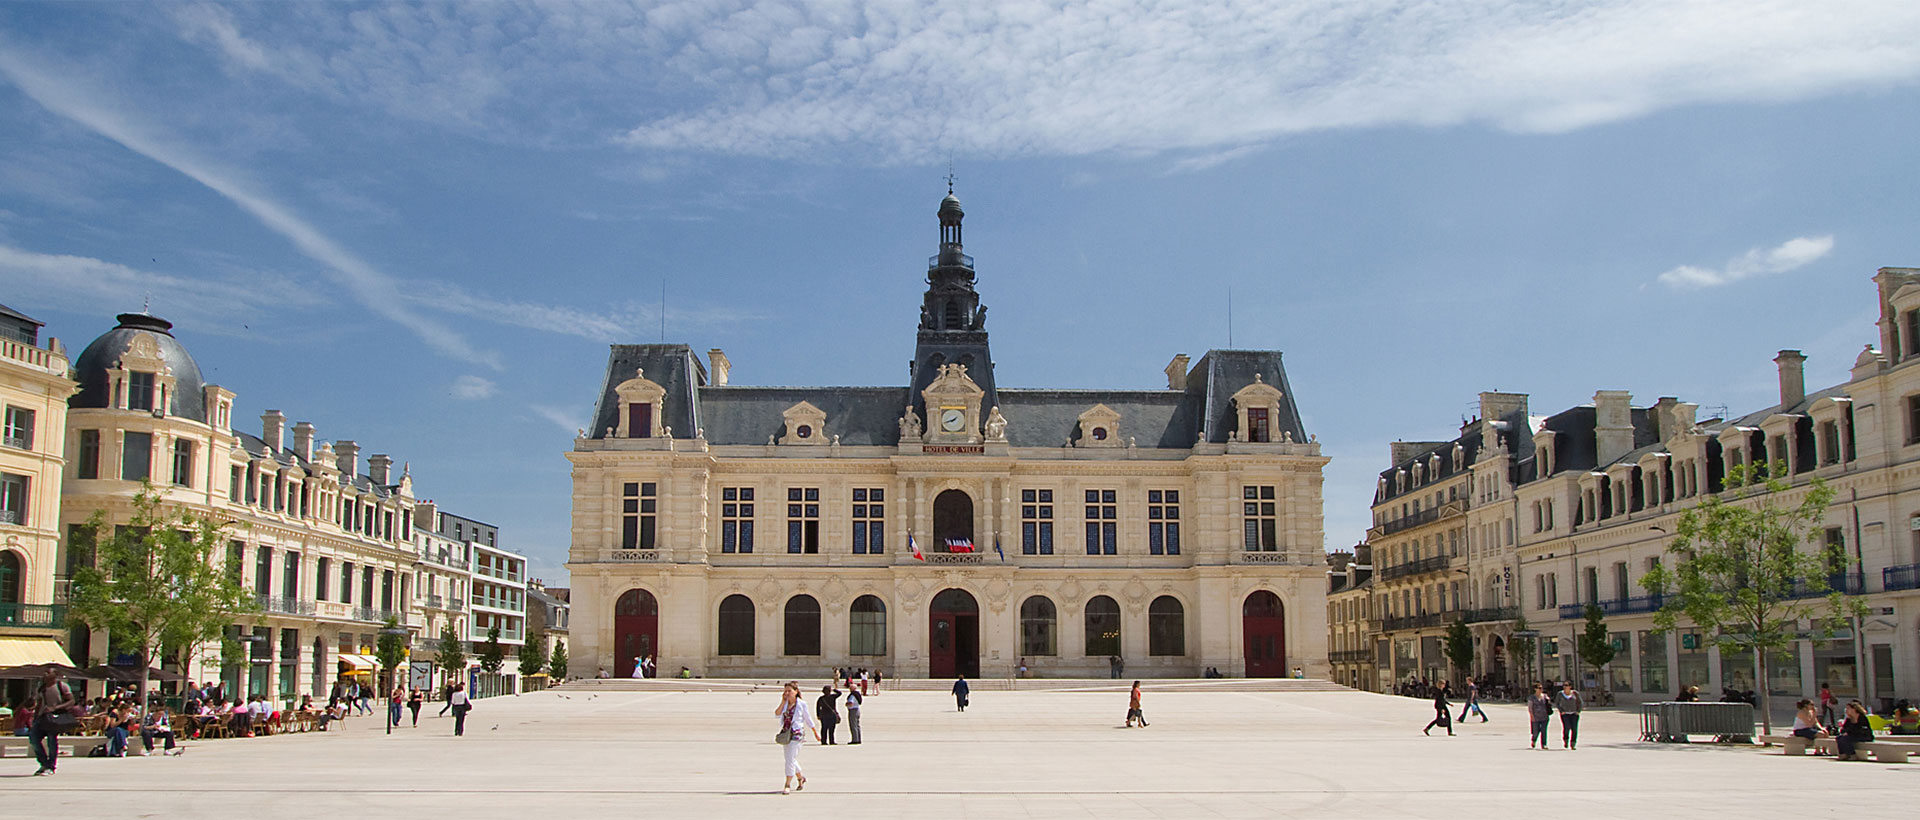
column 834, row 594
column 768, row 591
column 953, row 407
column 1136, row 592
column 996, row 425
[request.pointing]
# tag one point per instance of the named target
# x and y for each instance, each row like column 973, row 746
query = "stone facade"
column 33, row 397
column 751, row 531
column 1565, row 510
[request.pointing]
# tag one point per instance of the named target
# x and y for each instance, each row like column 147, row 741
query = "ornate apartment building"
column 33, row 398
column 1565, row 510
column 951, row 525
column 323, row 541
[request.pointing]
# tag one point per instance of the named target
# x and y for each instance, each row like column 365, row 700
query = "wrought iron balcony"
column 1492, row 614
column 1413, row 621
column 1620, row 606
column 283, row 605
column 1434, row 563
column 948, row 259
column 1426, row 516
column 1901, row 577
column 1351, row 656
column 1845, row 583
column 33, row 616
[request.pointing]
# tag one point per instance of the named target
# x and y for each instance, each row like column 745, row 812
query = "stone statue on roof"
column 996, row 425
column 909, row 425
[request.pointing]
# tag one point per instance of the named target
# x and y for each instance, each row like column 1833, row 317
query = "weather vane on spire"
column 950, row 177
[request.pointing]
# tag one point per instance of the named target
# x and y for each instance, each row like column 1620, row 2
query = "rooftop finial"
column 950, row 177
column 146, row 302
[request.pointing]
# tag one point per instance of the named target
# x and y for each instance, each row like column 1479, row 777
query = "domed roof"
column 950, row 205
column 189, row 397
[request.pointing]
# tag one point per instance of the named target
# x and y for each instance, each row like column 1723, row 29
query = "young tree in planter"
column 391, row 649
column 492, row 656
column 1521, row 649
column 160, row 583
column 533, row 656
column 1741, row 573
column 451, row 654
column 1595, row 646
column 557, row 665
column 1459, row 647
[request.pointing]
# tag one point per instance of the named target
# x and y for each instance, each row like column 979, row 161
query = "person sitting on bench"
column 1806, row 721
column 1854, row 731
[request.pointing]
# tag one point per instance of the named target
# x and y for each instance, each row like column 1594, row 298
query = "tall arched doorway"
column 1263, row 622
column 953, row 635
column 952, row 521
column 636, row 630
column 1496, row 667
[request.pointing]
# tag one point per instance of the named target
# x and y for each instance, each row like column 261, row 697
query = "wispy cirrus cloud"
column 1789, row 255
column 618, row 323
column 376, row 291
column 214, row 304
column 472, row 388
column 904, row 81
column 568, row 419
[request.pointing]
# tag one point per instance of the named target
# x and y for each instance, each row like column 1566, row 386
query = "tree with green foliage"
column 1521, row 649
column 1742, row 576
column 492, row 656
column 391, row 649
column 557, row 665
column 1594, row 644
column 450, row 654
column 533, row 656
column 1459, row 647
column 159, row 583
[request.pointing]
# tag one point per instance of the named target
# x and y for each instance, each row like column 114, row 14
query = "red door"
column 940, row 645
column 1264, row 624
column 636, row 630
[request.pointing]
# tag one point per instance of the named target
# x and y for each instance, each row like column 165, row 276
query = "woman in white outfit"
column 795, row 717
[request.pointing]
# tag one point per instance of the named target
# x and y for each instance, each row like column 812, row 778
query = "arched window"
column 867, row 631
column 803, row 626
column 1103, row 627
column 1166, row 627
column 736, row 626
column 1037, row 620
column 12, row 578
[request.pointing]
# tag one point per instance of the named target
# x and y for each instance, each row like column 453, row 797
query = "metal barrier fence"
column 1672, row 721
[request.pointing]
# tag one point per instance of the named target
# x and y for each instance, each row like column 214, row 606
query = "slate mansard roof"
column 870, row 416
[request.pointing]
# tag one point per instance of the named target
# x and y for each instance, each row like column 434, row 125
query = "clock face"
column 952, row 419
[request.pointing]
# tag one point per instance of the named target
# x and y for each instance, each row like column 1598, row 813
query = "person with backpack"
column 54, row 716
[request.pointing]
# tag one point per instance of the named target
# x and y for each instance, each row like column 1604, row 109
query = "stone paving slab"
column 1011, row 755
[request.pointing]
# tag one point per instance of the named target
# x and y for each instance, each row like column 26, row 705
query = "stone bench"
column 12, row 746
column 1883, row 752
column 1789, row 744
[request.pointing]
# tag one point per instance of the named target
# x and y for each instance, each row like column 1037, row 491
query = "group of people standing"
column 1541, row 707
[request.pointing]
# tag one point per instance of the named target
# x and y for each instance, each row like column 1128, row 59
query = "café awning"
column 26, row 651
column 357, row 663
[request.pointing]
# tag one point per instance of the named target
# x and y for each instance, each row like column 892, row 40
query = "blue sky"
column 419, row 226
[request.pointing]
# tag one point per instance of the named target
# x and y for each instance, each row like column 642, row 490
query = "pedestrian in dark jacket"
column 960, row 691
column 1855, row 730
column 1539, row 713
column 1569, row 704
column 1442, row 711
column 827, row 709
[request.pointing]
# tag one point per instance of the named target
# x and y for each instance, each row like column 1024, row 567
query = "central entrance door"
column 1264, row 624
column 953, row 635
column 636, row 630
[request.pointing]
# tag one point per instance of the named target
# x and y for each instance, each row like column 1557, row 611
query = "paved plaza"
column 1012, row 754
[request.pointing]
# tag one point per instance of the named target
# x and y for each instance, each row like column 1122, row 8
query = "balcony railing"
column 949, row 258
column 1350, row 656
column 1846, row 583
column 1434, row 563
column 283, row 605
column 1901, row 577
column 33, row 616
column 950, row 558
column 1426, row 516
column 1618, row 606
column 1492, row 614
column 636, row 556
column 377, row 615
column 435, row 602
column 1413, row 621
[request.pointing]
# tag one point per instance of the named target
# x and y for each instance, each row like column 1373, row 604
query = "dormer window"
column 641, row 402
column 1259, row 410
column 139, row 390
column 804, row 424
column 1259, row 427
column 1099, row 427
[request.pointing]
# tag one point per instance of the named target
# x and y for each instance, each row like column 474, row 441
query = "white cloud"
column 473, row 388
column 618, row 323
column 915, row 80
column 1788, row 255
column 86, row 285
column 373, row 289
column 568, row 419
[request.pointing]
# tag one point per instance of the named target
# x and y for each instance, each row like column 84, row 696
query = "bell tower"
column 953, row 323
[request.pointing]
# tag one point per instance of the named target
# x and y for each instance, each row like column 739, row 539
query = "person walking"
column 461, row 705
column 416, row 699
column 1473, row 702
column 827, row 709
column 1443, row 711
column 395, row 700
column 54, row 714
column 1829, row 706
column 364, row 697
column 1133, row 707
column 960, row 691
column 1569, row 704
column 854, row 701
column 1539, row 712
column 877, row 678
column 795, row 721
column 446, row 696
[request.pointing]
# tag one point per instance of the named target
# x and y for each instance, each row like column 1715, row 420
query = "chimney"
column 1497, row 406
column 1793, row 377
column 303, row 440
column 380, row 468
column 426, row 516
column 273, row 429
column 1613, row 425
column 1403, row 450
column 717, row 361
column 1685, row 416
column 346, row 456
column 1661, row 417
column 1177, row 372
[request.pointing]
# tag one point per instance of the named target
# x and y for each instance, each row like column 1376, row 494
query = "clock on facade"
column 952, row 419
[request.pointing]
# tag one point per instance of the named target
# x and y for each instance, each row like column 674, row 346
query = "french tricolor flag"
column 914, row 547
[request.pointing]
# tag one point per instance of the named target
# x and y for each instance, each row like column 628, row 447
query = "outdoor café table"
column 307, row 720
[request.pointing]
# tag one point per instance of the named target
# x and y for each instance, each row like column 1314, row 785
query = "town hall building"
column 950, row 525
